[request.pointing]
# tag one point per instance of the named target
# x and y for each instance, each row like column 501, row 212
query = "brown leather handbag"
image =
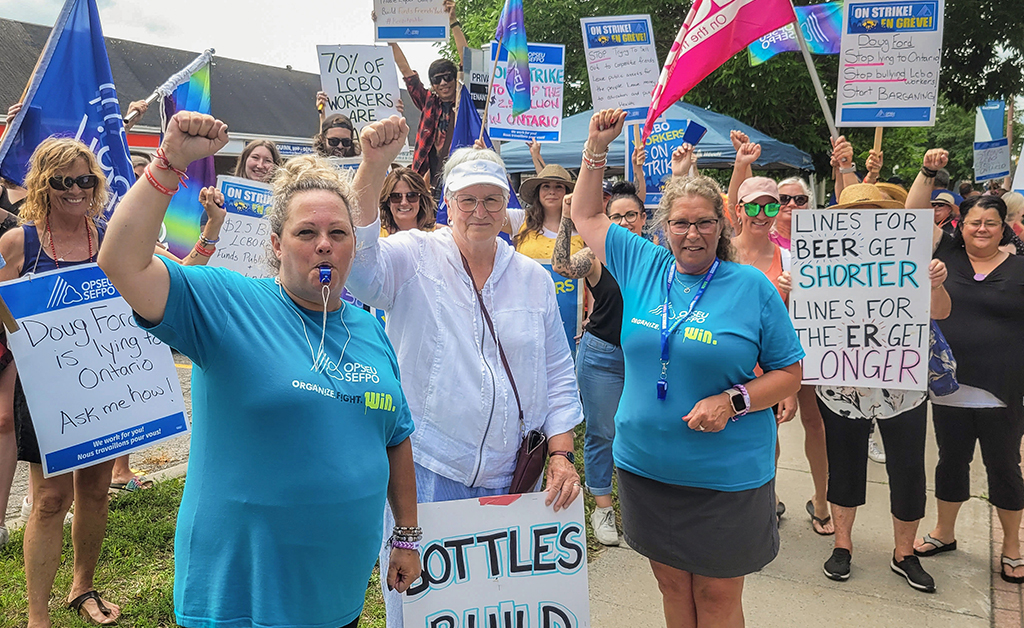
column 533, row 450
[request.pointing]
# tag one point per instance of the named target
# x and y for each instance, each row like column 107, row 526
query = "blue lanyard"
column 666, row 331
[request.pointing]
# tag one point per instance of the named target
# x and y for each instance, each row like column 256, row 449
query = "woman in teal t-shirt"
column 694, row 432
column 290, row 465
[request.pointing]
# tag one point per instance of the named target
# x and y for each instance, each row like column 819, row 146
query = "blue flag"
column 71, row 94
column 465, row 132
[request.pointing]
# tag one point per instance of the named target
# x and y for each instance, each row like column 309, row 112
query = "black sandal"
column 76, row 605
column 1012, row 563
column 821, row 522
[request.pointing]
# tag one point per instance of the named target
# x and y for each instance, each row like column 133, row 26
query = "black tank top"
column 606, row 319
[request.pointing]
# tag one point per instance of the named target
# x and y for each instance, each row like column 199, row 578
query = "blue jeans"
column 600, row 372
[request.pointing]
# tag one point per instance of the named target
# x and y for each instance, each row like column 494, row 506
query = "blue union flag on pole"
column 71, row 94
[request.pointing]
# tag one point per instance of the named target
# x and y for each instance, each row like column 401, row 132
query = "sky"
column 270, row 32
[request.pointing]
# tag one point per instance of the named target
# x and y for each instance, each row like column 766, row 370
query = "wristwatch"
column 739, row 402
column 570, row 456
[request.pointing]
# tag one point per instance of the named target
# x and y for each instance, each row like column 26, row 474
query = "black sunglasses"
column 63, row 184
column 799, row 199
column 411, row 197
column 445, row 77
column 344, row 141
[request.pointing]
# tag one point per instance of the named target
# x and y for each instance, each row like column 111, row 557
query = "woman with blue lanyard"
column 694, row 432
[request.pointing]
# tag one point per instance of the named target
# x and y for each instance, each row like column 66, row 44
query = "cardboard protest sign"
column 97, row 385
column 667, row 136
column 991, row 160
column 621, row 62
column 410, row 20
column 500, row 561
column 543, row 121
column 861, row 296
column 360, row 82
column 569, row 293
column 889, row 63
column 245, row 236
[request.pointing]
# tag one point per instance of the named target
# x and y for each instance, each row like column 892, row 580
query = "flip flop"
column 76, row 605
column 131, row 486
column 938, row 546
column 780, row 509
column 1012, row 563
column 821, row 522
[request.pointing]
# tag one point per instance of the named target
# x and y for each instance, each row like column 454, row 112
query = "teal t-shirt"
column 740, row 322
column 281, row 519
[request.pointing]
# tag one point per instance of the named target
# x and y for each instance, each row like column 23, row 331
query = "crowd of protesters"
column 687, row 431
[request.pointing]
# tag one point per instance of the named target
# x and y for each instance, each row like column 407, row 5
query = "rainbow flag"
column 511, row 34
column 181, row 223
column 822, row 25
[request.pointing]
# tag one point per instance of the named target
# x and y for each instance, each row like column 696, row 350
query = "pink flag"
column 712, row 32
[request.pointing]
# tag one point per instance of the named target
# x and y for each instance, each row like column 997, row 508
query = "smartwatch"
column 570, row 456
column 739, row 402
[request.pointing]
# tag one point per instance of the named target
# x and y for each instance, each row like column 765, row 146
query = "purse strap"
column 501, row 352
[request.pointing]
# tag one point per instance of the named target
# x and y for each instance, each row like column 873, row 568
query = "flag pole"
column 822, row 101
column 490, row 88
column 175, row 80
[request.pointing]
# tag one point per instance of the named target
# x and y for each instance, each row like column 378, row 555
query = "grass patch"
column 136, row 565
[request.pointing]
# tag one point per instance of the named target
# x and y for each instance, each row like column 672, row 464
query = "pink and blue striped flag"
column 822, row 25
column 511, row 34
column 182, row 220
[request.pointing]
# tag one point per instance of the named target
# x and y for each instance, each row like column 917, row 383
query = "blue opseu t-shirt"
column 738, row 323
column 281, row 519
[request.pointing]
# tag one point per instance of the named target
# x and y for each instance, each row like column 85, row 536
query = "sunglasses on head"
column 443, row 77
column 799, row 199
column 85, row 182
column 344, row 141
column 411, row 197
column 770, row 209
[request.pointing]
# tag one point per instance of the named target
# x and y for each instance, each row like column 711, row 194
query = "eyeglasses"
column 629, row 216
column 468, row 204
column 770, row 209
column 444, row 77
column 344, row 141
column 411, row 197
column 941, row 206
column 798, row 200
column 63, row 184
column 682, row 227
column 988, row 224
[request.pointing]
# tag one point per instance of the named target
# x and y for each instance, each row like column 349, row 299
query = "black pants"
column 846, row 441
column 353, row 624
column 956, row 431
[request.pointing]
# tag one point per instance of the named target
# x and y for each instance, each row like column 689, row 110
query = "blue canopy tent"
column 715, row 150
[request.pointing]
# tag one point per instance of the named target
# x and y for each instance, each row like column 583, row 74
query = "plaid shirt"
column 432, row 109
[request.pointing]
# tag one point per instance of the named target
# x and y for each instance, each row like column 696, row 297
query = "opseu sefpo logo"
column 64, row 294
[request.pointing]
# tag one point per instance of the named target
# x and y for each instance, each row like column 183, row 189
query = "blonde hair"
column 1014, row 206
column 303, row 174
column 697, row 187
column 53, row 155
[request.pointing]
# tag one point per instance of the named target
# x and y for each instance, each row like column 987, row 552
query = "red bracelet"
column 159, row 186
column 204, row 252
column 161, row 156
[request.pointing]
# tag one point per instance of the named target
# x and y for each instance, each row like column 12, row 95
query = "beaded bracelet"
column 207, row 241
column 159, row 186
column 161, row 156
column 406, row 545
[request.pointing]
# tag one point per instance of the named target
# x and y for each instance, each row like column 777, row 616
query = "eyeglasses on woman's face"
column 797, row 199
column 706, row 226
column 410, row 197
column 630, row 217
column 63, row 184
column 468, row 204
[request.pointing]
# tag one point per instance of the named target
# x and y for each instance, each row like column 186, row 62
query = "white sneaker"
column 603, row 522
column 875, row 452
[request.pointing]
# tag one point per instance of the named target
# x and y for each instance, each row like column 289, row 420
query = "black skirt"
column 716, row 534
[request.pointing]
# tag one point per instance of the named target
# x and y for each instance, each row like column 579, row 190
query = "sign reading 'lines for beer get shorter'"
column 861, row 296
column 97, row 385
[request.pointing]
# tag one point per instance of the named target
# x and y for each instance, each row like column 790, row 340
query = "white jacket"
column 465, row 411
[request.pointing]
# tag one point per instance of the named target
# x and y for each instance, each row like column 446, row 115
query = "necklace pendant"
column 686, row 291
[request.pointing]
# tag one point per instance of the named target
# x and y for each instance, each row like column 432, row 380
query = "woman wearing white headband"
column 475, row 325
